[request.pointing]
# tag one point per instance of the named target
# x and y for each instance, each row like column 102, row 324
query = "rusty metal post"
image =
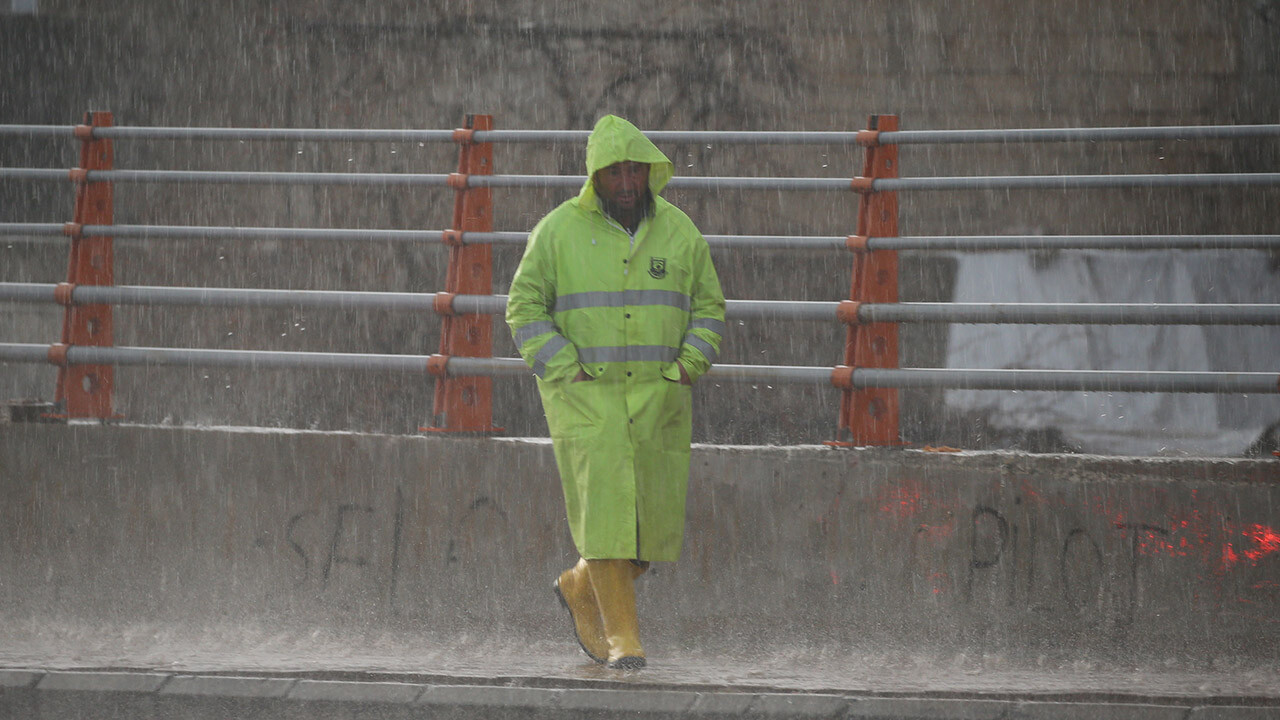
column 85, row 391
column 870, row 416
column 465, row 404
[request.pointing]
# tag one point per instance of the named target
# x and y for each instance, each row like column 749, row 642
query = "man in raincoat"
column 617, row 308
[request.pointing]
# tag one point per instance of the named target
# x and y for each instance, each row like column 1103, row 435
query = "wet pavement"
column 474, row 661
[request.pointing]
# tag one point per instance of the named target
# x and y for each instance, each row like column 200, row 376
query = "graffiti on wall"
column 355, row 542
column 1108, row 552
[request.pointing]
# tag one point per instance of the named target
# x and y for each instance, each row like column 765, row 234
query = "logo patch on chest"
column 657, row 268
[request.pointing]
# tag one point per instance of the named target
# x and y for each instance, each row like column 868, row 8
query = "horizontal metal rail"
column 956, row 243
column 994, row 182
column 900, row 137
column 238, row 297
column 257, row 359
column 731, row 137
column 1073, row 313
column 1069, row 380
column 977, row 243
column 912, row 312
column 1076, row 182
column 1030, row 380
column 211, row 232
column 1037, row 135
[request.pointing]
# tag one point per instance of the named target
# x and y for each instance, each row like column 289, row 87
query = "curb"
column 22, row 687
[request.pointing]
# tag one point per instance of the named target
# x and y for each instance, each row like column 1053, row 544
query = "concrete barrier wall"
column 262, row 534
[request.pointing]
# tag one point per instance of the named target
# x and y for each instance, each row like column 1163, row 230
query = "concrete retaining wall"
column 280, row 534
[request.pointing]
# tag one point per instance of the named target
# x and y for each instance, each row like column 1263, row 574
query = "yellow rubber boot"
column 574, row 590
column 614, row 583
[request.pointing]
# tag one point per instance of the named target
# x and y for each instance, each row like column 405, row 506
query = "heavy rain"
column 307, row 524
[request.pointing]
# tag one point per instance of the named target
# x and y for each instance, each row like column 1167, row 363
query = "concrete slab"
column 360, row 692
column 664, row 702
column 1093, row 711
column 17, row 678
column 1234, row 713
column 923, row 708
column 776, row 705
column 199, row 696
column 491, row 696
column 102, row 681
column 731, row 704
column 231, row 687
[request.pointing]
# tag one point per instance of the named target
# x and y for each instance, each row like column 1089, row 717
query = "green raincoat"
column 625, row 310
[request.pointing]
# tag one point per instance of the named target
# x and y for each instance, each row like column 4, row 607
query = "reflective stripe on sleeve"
column 703, row 347
column 578, row 301
column 533, row 330
column 548, row 351
column 712, row 324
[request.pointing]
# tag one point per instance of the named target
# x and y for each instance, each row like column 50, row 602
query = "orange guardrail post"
column 870, row 416
column 85, row 391
column 465, row 404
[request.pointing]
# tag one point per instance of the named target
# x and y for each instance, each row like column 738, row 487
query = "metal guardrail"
column 952, row 243
column 856, row 378
column 853, row 375
column 899, row 137
column 995, row 182
column 910, row 312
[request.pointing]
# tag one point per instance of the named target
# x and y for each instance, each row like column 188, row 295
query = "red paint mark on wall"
column 1235, row 544
column 1153, row 542
column 1260, row 541
column 902, row 502
column 939, row 581
column 937, row 533
column 1229, row 557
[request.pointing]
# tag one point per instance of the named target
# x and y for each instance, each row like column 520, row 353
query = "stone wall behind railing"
column 666, row 65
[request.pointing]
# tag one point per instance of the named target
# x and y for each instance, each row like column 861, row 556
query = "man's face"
column 621, row 186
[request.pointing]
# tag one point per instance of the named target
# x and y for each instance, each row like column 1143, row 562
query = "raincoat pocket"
column 571, row 407
column 677, row 409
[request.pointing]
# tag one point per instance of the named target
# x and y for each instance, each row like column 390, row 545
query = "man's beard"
column 642, row 209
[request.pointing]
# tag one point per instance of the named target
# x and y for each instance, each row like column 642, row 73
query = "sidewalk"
column 556, row 682
column 136, row 694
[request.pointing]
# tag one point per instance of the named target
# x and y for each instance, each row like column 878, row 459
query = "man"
column 617, row 308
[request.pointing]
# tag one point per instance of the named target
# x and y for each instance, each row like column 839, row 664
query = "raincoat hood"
column 615, row 140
